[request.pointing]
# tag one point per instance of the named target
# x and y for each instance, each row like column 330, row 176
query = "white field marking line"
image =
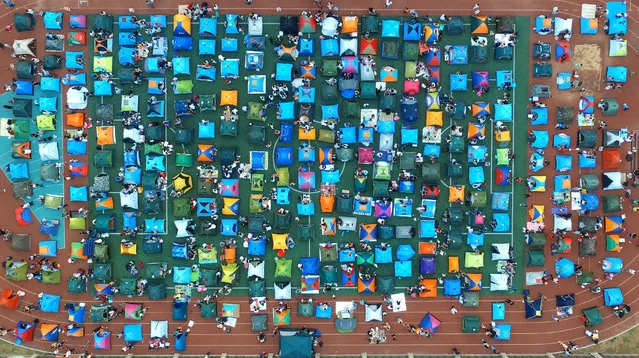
column 512, row 148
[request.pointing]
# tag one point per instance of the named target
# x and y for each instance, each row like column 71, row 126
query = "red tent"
column 369, row 46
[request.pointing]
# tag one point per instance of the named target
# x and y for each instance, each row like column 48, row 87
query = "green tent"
column 345, row 154
column 478, row 54
column 77, row 223
column 21, row 129
column 611, row 203
column 208, row 310
column 593, row 316
column 295, row 344
column 610, row 106
column 126, row 76
column 385, row 285
column 103, row 159
column 478, row 199
column 329, row 68
column 184, row 136
column 585, row 278
column 345, row 325
column 306, row 232
column 305, row 309
column 99, row 313
column 181, row 207
column 46, row 122
column 456, row 145
column 431, row 173
column 104, row 223
column 454, row 238
column 381, row 171
column 184, row 160
column 53, row 276
column 536, row 257
column 76, row 285
column 587, row 224
column 228, row 129
column 16, row 271
column 589, row 182
column 329, row 275
column 156, row 270
column 153, row 149
column 587, row 138
column 454, row 170
column 351, row 109
column 536, row 241
column 183, row 87
column 365, row 258
column 282, row 221
column 257, row 182
column 380, row 188
column 367, row 90
column 330, row 94
column 257, row 288
column 411, row 51
column 387, row 102
column 127, row 286
column 153, row 134
column 505, row 24
column 326, row 136
column 474, row 260
column 22, row 108
column 24, row 22
column 207, row 102
column 471, row 299
column 565, row 114
column 470, row 324
column 207, row 276
column 455, row 26
column 283, row 270
column 588, row 247
column 390, row 49
column 385, row 232
column 103, row 22
column 25, row 70
column 370, row 24
column 157, row 290
column 255, row 223
column 254, row 111
column 257, row 134
column 345, row 203
column 21, row 242
column 502, row 156
column 52, row 62
column 103, row 272
column 258, row 322
column 227, row 155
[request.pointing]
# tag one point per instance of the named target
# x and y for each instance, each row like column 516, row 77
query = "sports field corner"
column 187, row 174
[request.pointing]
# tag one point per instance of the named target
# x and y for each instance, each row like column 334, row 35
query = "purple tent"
column 427, row 265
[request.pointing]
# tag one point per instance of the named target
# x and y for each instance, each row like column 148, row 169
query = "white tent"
column 258, row 304
column 612, row 181
column 180, row 226
column 129, row 200
column 329, row 26
column 562, row 25
column 534, row 278
column 348, row 46
column 562, row 223
column 255, row 27
column 500, row 251
column 132, row 134
column 159, row 329
column 344, row 309
column 498, row 282
column 373, row 312
column 256, row 269
column 588, row 11
column 398, row 300
column 48, row 151
column 23, row 47
column 77, row 97
column 347, row 223
column 282, row 290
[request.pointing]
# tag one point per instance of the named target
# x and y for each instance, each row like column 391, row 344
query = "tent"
column 430, row 323
column 593, row 316
column 295, row 344
column 613, row 296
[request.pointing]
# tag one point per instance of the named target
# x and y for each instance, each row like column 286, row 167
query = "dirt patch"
column 588, row 56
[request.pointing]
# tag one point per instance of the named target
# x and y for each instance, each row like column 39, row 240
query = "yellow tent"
column 181, row 25
column 279, row 241
column 228, row 98
column 501, row 137
column 434, row 118
column 456, row 193
column 183, row 182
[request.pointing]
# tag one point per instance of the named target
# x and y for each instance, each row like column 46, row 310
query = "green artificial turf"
column 310, row 248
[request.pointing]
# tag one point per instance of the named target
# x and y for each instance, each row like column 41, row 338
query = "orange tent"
column 434, row 118
column 456, row 194
column 474, row 277
column 304, row 134
column 230, row 254
column 453, row 263
column 20, row 150
column 611, row 159
column 349, row 24
column 228, row 98
column 9, row 299
column 427, row 248
column 327, row 203
column 430, row 285
column 106, row 135
column 75, row 119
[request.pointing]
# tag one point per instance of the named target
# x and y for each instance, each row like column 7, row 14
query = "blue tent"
column 181, row 275
column 390, row 28
column 180, row 310
column 427, row 229
column 206, row 130
column 500, row 201
column 499, row 311
column 452, row 287
column 160, row 21
column 132, row 175
column 286, row 133
column 563, row 163
column 432, row 150
column 412, row 31
column 155, row 163
column 503, row 222
column 382, row 256
column 228, row 227
column 76, row 147
column 505, row 79
column 616, row 74
column 476, row 176
column 458, row 82
column 503, row 112
column 230, row 68
column 611, row 265
column 306, row 94
column 536, row 162
column 77, row 313
column 78, row 193
column 404, row 252
column 475, row 239
column 329, row 47
column 128, row 220
column 323, row 313
column 208, row 26
column 539, row 139
column 182, row 43
column 458, row 55
column 132, row 332
column 50, row 84
column 24, row 88
column 282, row 196
column 403, row 269
column 348, row 255
column 310, row 265
column 206, row 47
column 588, row 26
column 18, row 170
column 181, row 66
column 132, row 158
column 330, row 111
column 284, row 156
column 539, row 116
column 410, row 136
column 102, row 88
column 330, row 177
column 49, row 303
column 409, row 114
column 563, row 81
column 477, row 153
column 206, row 74
column 284, row 71
column 231, row 24
column 229, row 44
column 154, row 225
column 613, row 296
column 616, row 25
column 561, row 140
column 564, row 268
column 589, row 202
column 533, row 309
column 286, row 111
column 128, row 39
column 257, row 246
column 126, row 23
column 127, row 56
column 180, row 340
column 53, row 20
column 48, row 104
column 71, row 61
column 307, row 47
column 502, row 332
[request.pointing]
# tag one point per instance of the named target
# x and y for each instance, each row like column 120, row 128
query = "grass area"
column 627, row 343
column 310, row 248
column 10, row 349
